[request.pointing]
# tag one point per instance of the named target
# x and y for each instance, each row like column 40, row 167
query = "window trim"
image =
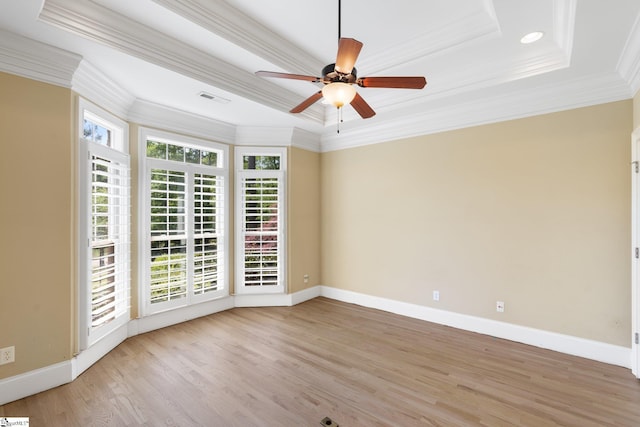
column 240, row 152
column 87, row 335
column 144, row 168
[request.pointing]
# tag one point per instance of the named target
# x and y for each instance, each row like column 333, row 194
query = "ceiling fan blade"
column 361, row 107
column 348, row 51
column 393, row 82
column 306, row 103
column 288, row 76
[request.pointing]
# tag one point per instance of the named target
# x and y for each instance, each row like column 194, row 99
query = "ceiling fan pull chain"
column 339, row 119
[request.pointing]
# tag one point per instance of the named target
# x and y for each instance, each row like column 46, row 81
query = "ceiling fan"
column 339, row 78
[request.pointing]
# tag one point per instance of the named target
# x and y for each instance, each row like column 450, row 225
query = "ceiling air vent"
column 212, row 97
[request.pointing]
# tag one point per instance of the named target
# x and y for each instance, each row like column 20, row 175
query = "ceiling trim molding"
column 575, row 93
column 462, row 32
column 306, row 140
column 263, row 136
column 629, row 63
column 479, row 77
column 38, row 61
column 171, row 119
column 102, row 25
column 283, row 136
column 91, row 83
column 564, row 19
column 220, row 18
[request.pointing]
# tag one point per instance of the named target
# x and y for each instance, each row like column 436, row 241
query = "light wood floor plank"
column 292, row 366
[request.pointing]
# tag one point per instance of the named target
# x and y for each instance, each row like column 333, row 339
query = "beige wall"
column 36, row 221
column 532, row 212
column 303, row 216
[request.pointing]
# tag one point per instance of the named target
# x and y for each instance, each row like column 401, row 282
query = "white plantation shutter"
column 262, row 237
column 168, row 216
column 260, row 180
column 110, row 237
column 208, row 207
column 105, row 272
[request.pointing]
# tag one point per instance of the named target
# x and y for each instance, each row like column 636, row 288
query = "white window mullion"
column 189, row 212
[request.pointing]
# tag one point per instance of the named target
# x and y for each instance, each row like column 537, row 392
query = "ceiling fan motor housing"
column 330, row 75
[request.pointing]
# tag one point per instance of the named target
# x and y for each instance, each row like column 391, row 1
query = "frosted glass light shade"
column 338, row 94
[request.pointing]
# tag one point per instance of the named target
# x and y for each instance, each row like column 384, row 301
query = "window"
column 185, row 243
column 260, row 207
column 104, row 210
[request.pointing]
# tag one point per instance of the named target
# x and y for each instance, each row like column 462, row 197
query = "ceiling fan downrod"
column 339, row 19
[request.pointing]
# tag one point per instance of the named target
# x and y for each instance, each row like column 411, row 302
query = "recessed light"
column 531, row 37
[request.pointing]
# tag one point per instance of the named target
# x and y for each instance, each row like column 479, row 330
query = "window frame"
column 146, row 164
column 88, row 335
column 240, row 174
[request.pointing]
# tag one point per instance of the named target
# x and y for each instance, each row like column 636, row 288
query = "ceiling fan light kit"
column 339, row 78
column 338, row 94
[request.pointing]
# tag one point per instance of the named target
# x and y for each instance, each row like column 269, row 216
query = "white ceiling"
column 165, row 52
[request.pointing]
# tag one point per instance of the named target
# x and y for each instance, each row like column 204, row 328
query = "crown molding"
column 263, row 136
column 220, row 18
column 306, row 140
column 268, row 136
column 417, row 119
column 166, row 118
column 91, row 83
column 102, row 25
column 629, row 63
column 35, row 60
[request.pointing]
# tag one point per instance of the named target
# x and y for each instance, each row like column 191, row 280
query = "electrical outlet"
column 7, row 355
column 500, row 306
column 436, row 295
column 305, row 278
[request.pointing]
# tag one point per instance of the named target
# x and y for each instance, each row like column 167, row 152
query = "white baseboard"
column 589, row 349
column 97, row 351
column 179, row 315
column 276, row 300
column 32, row 382
column 38, row 380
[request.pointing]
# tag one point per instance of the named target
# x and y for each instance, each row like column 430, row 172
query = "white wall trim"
column 38, row 61
column 179, row 315
column 595, row 350
column 162, row 117
column 105, row 26
column 635, row 243
column 419, row 117
column 98, row 350
column 277, row 300
column 91, row 83
column 629, row 62
column 277, row 136
column 32, row 382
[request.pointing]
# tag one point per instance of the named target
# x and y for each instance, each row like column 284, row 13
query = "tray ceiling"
column 166, row 52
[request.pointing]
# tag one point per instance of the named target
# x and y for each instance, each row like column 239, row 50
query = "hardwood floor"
column 292, row 366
